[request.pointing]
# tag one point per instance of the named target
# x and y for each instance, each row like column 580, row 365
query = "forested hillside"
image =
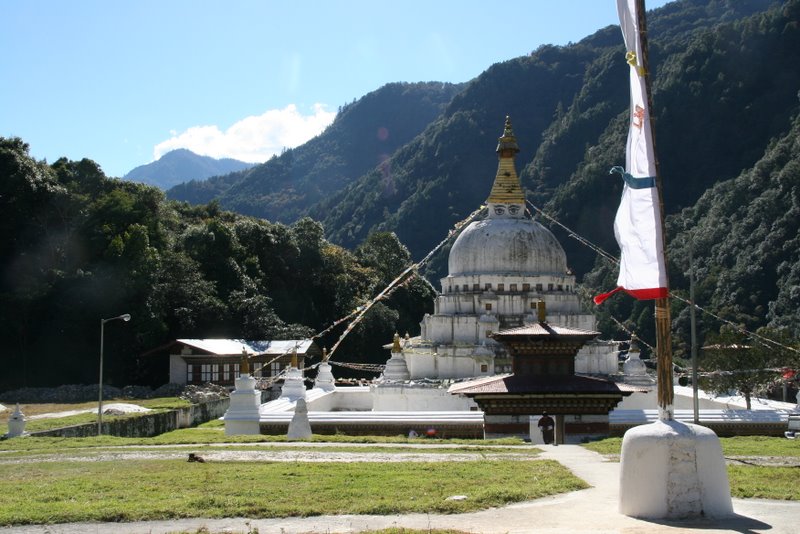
column 363, row 136
column 181, row 165
column 80, row 247
column 725, row 88
column 413, row 159
column 567, row 105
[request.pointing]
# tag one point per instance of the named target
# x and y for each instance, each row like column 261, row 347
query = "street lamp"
column 124, row 317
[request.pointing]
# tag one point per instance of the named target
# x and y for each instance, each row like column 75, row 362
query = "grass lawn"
column 755, row 482
column 735, row 446
column 132, row 490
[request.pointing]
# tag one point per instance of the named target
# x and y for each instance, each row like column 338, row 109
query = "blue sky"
column 122, row 82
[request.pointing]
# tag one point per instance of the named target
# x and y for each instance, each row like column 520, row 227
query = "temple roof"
column 513, row 384
column 544, row 330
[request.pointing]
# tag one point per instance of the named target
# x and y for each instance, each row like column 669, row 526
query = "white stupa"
column 498, row 269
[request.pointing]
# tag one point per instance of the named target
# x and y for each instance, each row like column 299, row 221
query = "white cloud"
column 253, row 139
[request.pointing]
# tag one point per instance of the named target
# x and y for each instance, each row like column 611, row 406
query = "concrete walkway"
column 592, row 510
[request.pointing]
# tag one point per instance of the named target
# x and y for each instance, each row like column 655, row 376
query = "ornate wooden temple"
column 544, row 380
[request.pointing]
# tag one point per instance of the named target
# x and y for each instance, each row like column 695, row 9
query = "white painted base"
column 242, row 428
column 673, row 470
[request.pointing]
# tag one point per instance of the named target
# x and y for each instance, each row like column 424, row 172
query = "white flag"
column 637, row 226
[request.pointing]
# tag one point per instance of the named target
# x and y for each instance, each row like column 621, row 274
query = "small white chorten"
column 634, row 369
column 396, row 368
column 16, row 424
column 325, row 380
column 242, row 416
column 294, row 386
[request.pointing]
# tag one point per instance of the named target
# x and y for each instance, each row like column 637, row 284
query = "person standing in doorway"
column 547, row 425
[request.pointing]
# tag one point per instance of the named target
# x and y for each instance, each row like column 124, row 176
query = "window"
column 488, row 287
column 235, row 370
column 513, row 288
column 501, row 287
column 533, row 304
column 274, row 368
column 449, row 289
column 465, row 287
column 538, row 287
column 215, row 372
column 205, row 372
column 567, row 288
column 560, row 287
column 484, row 368
column 488, row 306
column 189, row 373
column 226, row 376
column 526, row 287
column 549, row 287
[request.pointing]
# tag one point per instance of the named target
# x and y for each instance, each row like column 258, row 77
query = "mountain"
column 725, row 90
column 568, row 108
column 363, row 136
column 182, row 165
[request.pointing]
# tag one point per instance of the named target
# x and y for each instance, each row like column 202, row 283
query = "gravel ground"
column 222, row 455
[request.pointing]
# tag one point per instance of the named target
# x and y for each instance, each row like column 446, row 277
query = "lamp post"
column 124, row 317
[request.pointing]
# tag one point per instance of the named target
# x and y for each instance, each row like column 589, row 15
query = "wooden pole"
column 666, row 391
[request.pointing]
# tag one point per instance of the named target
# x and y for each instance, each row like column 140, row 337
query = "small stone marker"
column 299, row 427
column 16, row 424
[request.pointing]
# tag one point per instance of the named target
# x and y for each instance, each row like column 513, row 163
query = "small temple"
column 544, row 381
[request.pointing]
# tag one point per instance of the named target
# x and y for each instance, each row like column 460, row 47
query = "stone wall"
column 86, row 393
column 147, row 425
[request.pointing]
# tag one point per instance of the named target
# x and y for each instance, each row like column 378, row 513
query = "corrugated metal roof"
column 234, row 346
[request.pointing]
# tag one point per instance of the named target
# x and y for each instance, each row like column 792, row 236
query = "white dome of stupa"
column 506, row 246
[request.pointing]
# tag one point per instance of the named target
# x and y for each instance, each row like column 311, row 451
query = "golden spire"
column 396, row 345
column 244, row 366
column 506, row 188
column 294, row 357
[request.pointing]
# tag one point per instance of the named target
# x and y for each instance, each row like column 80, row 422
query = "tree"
column 741, row 363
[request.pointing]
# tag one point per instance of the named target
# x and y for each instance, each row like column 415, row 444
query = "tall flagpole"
column 694, row 481
column 666, row 392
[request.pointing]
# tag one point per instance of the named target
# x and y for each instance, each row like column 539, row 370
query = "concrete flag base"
column 673, row 470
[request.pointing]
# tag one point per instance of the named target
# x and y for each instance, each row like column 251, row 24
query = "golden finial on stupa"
column 294, row 357
column 506, row 188
column 396, row 345
column 245, row 365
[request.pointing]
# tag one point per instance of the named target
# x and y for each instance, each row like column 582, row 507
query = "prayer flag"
column 637, row 226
